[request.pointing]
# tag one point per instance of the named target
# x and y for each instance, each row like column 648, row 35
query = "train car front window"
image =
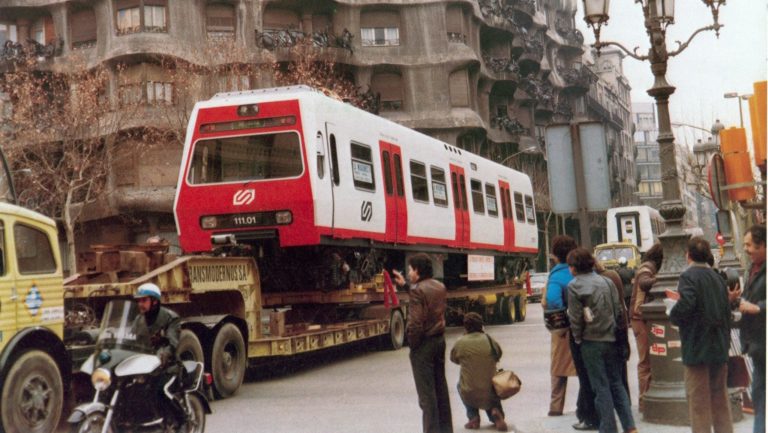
column 252, row 157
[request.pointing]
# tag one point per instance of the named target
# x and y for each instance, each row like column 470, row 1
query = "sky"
column 707, row 69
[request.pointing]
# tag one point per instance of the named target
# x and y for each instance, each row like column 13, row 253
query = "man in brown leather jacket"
column 425, row 329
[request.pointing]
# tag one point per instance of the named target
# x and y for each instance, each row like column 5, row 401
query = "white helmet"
column 622, row 261
column 148, row 290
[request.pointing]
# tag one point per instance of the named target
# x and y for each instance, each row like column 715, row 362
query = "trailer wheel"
column 228, row 361
column 33, row 394
column 189, row 348
column 508, row 310
column 396, row 337
column 522, row 307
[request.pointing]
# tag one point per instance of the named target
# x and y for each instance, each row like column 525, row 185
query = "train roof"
column 303, row 91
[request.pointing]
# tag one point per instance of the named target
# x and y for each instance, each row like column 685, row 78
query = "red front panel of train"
column 246, row 174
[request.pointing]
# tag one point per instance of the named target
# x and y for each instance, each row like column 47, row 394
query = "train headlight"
column 283, row 217
column 101, row 379
column 209, row 222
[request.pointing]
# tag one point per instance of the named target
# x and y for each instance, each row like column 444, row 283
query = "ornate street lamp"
column 703, row 151
column 665, row 402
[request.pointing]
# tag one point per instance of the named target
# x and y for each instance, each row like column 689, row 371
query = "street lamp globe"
column 703, row 152
column 665, row 10
column 596, row 11
column 716, row 128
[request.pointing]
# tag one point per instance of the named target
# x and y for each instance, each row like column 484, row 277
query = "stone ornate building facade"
column 485, row 75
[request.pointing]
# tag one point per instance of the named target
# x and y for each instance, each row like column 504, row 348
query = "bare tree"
column 60, row 130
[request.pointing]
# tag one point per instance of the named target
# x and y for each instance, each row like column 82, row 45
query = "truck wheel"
column 522, row 307
column 396, row 336
column 189, row 348
column 33, row 394
column 228, row 361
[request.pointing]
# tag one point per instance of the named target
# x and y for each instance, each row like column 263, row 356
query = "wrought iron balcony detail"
column 563, row 108
column 511, row 125
column 577, row 79
column 571, row 35
column 501, row 65
column 286, row 38
column 15, row 51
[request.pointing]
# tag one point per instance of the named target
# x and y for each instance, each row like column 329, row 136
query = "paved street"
column 372, row 391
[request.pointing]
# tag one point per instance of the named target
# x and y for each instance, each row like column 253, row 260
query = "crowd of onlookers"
column 589, row 312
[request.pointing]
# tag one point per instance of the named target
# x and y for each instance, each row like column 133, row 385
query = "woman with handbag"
column 477, row 354
column 594, row 311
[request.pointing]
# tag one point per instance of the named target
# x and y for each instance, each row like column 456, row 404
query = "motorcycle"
column 126, row 374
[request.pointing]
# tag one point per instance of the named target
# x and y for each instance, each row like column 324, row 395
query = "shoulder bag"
column 505, row 382
column 556, row 320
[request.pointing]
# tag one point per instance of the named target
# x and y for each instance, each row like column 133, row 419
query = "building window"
column 8, row 33
column 459, row 88
column 476, row 188
column 389, row 87
column 149, row 92
column 135, row 16
column 83, row 28
column 419, row 182
column 220, row 21
column 362, row 167
column 380, row 28
column 159, row 93
column 454, row 24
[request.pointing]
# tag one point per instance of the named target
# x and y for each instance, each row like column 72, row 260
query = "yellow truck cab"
column 608, row 254
column 34, row 364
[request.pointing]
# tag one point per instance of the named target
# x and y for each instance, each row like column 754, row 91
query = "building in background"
column 487, row 76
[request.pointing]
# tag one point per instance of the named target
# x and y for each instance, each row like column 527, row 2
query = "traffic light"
column 738, row 169
column 757, row 114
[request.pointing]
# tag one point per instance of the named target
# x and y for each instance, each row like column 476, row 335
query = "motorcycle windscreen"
column 121, row 328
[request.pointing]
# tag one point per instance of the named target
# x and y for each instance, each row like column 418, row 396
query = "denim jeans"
column 585, row 402
column 758, row 392
column 603, row 363
column 475, row 412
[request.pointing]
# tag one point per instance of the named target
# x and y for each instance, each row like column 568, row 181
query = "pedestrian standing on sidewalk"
column 752, row 324
column 703, row 315
column 645, row 278
column 622, row 345
column 554, row 298
column 425, row 331
column 594, row 310
column 477, row 353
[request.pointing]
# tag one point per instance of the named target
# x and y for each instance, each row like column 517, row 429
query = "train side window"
column 455, row 187
column 439, row 191
column 463, row 186
column 387, row 172
column 419, row 181
column 334, row 161
column 320, row 155
column 530, row 213
column 519, row 210
column 362, row 166
column 477, row 196
column 490, row 200
column 399, row 176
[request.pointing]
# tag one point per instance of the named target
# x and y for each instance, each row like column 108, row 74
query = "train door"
column 333, row 168
column 628, row 225
column 394, row 193
column 506, row 211
column 460, row 208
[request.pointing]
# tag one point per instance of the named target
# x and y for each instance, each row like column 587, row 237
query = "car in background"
column 538, row 282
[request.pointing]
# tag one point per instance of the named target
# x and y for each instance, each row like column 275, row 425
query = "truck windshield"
column 251, row 157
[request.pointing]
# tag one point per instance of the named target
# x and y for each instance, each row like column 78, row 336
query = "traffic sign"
column 717, row 182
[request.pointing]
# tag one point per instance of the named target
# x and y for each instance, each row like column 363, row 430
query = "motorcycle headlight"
column 101, row 378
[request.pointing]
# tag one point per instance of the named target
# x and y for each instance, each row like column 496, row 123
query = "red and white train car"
column 296, row 168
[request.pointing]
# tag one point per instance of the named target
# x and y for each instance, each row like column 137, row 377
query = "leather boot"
column 498, row 420
column 473, row 424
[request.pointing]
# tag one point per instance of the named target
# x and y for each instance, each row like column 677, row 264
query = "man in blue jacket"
column 704, row 317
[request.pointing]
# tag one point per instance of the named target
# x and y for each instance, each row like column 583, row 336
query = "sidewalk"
column 562, row 424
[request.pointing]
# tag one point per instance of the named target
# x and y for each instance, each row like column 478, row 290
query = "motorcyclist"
column 162, row 326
